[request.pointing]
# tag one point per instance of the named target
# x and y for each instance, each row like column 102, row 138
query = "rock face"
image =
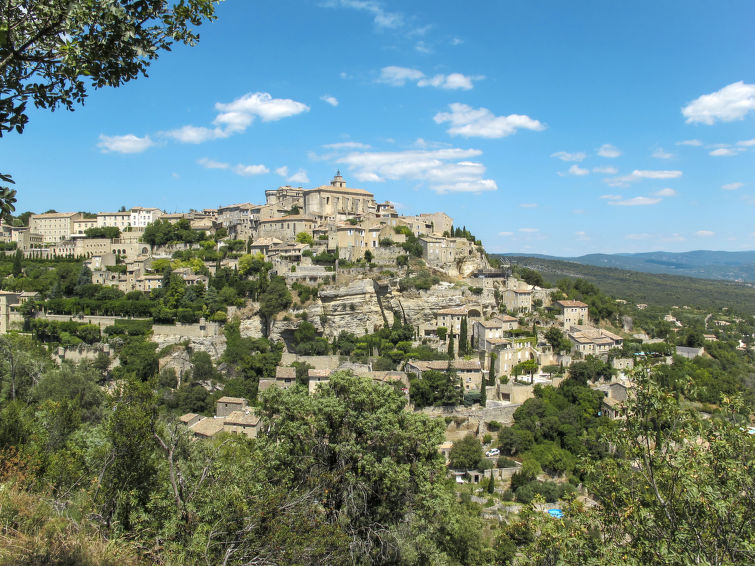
column 357, row 308
column 213, row 345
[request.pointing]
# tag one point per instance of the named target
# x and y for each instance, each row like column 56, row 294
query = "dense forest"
column 656, row 289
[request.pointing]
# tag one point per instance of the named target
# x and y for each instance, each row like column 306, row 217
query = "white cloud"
column 332, row 100
column 636, row 201
column 578, row 171
column 746, row 143
column 582, row 236
column 299, row 177
column 605, row 169
column 240, row 169
column 640, row 236
column 250, row 170
column 422, row 47
column 566, row 156
column 212, row 164
column 347, row 145
column 282, row 171
column 695, row 143
column 704, row 233
column 241, row 112
column 667, row 192
column 236, row 116
column 528, row 205
column 457, row 41
column 724, row 152
column 382, row 18
column 638, row 175
column 732, row 186
column 611, row 197
column 452, row 81
column 661, row 154
column 128, row 143
column 399, row 76
column 481, row 122
column 194, row 134
column 529, row 230
column 507, row 234
column 444, row 170
column 733, row 102
column 608, row 150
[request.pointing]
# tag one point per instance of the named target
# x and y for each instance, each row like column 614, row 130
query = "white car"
column 493, row 452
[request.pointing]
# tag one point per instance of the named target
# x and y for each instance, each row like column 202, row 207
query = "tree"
column 678, row 490
column 466, row 453
column 52, row 50
column 463, row 340
column 373, row 466
column 305, row 238
column 274, row 299
column 18, row 267
column 557, row 340
column 451, row 347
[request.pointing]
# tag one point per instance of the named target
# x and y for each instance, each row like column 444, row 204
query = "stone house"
column 572, row 312
column 470, row 371
column 242, row 422
column 588, row 340
column 484, row 330
column 287, row 227
column 226, row 405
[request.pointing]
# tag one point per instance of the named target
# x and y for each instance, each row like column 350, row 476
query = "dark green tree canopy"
column 51, row 51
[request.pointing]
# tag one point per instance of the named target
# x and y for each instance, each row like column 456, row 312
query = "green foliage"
column 306, row 342
column 138, row 359
column 305, row 238
column 435, row 388
column 162, row 232
column 656, row 289
column 110, row 232
column 466, row 453
column 558, row 340
column 422, row 280
column 55, row 51
column 274, row 299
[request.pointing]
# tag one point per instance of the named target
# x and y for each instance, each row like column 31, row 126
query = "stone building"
column 337, row 202
column 573, row 312
column 54, row 226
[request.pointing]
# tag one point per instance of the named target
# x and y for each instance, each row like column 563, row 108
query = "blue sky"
column 544, row 127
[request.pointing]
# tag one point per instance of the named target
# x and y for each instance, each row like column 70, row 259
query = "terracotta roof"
column 295, row 217
column 319, row 373
column 332, row 189
column 572, row 304
column 240, row 400
column 442, row 365
column 187, row 417
column 208, row 427
column 54, row 215
column 282, row 372
column 242, row 418
column 455, row 311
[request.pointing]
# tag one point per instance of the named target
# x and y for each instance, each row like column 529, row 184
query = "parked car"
column 493, row 452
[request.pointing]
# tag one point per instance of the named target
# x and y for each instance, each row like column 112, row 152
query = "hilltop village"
column 333, row 280
column 323, row 339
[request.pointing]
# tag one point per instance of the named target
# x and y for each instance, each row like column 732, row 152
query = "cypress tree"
column 463, row 342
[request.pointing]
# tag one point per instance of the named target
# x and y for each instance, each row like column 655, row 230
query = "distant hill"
column 651, row 288
column 704, row 264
